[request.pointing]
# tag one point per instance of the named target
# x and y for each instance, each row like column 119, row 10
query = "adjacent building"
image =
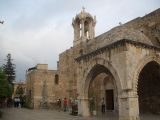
column 41, row 86
column 19, row 88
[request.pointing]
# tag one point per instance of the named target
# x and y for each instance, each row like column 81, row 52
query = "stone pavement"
column 28, row 114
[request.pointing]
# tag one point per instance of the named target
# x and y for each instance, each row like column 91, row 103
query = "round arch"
column 144, row 61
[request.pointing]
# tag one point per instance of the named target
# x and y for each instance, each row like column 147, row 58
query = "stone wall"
column 41, row 88
column 67, row 74
column 123, row 51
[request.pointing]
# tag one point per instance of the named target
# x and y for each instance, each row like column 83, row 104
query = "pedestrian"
column 103, row 106
column 18, row 102
column 75, row 107
column 69, row 105
column 65, row 104
column 15, row 102
column 59, row 104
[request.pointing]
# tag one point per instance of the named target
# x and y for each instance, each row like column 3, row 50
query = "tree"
column 9, row 69
column 19, row 91
column 5, row 87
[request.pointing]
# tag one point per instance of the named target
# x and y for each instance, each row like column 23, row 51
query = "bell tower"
column 83, row 25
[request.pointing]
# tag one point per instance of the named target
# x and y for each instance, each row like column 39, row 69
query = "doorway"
column 109, row 99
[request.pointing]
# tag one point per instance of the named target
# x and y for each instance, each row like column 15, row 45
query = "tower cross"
column 83, row 8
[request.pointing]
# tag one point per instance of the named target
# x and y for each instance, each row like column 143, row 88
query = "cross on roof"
column 83, row 8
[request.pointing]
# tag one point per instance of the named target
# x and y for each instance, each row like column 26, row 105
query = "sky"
column 37, row 31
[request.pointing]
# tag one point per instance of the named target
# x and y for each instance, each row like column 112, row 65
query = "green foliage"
column 9, row 69
column 92, row 101
column 20, row 91
column 5, row 87
column 0, row 114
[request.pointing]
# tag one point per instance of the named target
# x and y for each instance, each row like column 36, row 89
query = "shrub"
column 0, row 114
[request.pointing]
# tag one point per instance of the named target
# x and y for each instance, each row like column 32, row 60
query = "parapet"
column 42, row 66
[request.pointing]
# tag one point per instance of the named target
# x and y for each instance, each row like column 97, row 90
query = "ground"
column 27, row 114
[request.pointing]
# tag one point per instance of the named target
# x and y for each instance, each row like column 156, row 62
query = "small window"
column 81, row 51
column 56, row 80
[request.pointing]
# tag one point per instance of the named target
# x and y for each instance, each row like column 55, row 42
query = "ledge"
column 116, row 45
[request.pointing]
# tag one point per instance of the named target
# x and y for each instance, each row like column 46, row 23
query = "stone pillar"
column 128, row 108
column 83, row 109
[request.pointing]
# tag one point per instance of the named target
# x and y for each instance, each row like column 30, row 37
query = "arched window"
column 81, row 51
column 56, row 79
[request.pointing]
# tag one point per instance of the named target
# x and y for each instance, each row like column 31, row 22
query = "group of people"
column 17, row 102
column 72, row 105
column 67, row 105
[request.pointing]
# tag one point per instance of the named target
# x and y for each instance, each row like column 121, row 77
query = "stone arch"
column 140, row 66
column 91, row 64
column 108, row 66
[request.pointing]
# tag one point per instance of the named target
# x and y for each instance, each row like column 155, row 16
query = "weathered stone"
column 110, row 61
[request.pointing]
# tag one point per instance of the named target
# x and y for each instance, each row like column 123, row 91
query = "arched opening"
column 56, row 80
column 149, row 89
column 86, row 29
column 102, row 87
column 80, row 30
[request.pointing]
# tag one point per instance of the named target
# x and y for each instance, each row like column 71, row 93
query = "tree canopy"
column 5, row 87
column 9, row 69
column 19, row 91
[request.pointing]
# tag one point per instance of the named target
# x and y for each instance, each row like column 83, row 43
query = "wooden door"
column 109, row 100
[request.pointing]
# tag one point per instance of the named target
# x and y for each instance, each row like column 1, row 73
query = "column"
column 83, row 109
column 128, row 108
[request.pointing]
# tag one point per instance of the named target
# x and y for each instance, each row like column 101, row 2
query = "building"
column 41, row 86
column 19, row 86
column 122, row 66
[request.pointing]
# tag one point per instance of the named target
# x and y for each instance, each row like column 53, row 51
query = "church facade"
column 121, row 66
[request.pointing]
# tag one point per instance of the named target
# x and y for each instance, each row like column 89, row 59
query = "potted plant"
column 92, row 106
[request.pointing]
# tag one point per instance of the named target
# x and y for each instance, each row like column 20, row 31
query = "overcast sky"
column 36, row 31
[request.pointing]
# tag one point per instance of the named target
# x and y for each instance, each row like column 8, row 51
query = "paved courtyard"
column 27, row 114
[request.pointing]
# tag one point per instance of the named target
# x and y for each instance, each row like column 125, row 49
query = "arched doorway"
column 149, row 89
column 101, row 85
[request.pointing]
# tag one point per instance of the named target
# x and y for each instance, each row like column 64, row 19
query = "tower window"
column 80, row 29
column 81, row 51
column 56, row 79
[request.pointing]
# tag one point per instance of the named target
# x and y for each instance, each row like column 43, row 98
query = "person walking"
column 65, row 104
column 15, row 102
column 69, row 105
column 59, row 104
column 18, row 102
column 103, row 106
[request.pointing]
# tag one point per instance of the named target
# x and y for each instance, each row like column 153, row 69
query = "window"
column 56, row 79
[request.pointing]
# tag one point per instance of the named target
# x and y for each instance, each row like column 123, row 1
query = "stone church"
column 121, row 65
